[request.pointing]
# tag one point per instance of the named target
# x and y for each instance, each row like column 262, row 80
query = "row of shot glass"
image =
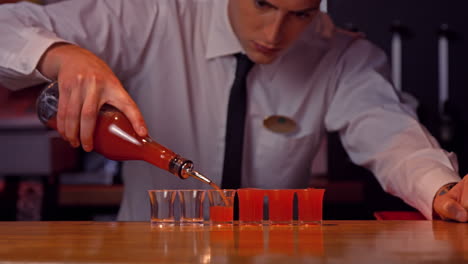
column 251, row 206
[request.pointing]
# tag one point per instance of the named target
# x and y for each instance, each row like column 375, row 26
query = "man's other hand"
column 451, row 201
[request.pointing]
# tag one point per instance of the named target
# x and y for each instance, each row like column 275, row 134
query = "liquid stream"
column 195, row 174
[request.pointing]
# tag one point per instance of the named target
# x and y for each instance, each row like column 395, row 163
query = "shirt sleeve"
column 382, row 134
column 117, row 31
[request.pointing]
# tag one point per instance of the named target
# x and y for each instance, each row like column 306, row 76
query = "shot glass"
column 310, row 203
column 162, row 207
column 191, row 206
column 250, row 206
column 280, row 206
column 221, row 206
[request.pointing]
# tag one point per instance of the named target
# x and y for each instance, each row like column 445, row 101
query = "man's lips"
column 264, row 49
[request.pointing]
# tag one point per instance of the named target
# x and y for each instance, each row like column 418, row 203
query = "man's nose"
column 273, row 29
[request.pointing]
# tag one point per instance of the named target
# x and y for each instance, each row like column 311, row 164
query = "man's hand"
column 451, row 201
column 85, row 84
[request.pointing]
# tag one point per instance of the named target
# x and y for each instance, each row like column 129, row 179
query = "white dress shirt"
column 174, row 57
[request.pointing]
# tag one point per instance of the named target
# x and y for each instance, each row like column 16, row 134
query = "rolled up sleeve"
column 22, row 45
column 382, row 134
column 117, row 31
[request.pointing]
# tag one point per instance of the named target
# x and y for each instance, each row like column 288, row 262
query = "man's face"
column 265, row 28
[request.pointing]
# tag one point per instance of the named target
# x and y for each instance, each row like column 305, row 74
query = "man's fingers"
column 131, row 111
column 464, row 193
column 73, row 113
column 62, row 107
column 88, row 115
column 451, row 209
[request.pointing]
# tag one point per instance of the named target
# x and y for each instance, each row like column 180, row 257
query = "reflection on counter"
column 208, row 242
column 140, row 242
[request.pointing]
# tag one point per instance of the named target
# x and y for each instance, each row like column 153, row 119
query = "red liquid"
column 115, row 139
column 221, row 214
column 280, row 205
column 310, row 202
column 250, row 205
column 227, row 203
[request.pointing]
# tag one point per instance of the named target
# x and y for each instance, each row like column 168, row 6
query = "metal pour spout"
column 195, row 174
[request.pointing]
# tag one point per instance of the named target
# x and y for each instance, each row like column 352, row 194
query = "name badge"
column 280, row 124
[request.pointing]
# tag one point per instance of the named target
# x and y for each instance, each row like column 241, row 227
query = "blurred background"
column 42, row 178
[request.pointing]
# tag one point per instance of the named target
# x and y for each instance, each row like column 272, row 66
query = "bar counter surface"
column 139, row 242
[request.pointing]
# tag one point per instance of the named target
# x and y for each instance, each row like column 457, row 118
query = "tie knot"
column 244, row 65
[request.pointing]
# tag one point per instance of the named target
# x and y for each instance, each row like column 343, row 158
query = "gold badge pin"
column 280, row 124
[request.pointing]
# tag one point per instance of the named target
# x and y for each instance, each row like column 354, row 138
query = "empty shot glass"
column 162, row 206
column 191, row 206
column 310, row 203
column 250, row 206
column 280, row 206
column 221, row 206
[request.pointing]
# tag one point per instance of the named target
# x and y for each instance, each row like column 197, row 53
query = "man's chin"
column 260, row 58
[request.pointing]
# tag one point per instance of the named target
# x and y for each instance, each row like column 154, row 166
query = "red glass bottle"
column 115, row 138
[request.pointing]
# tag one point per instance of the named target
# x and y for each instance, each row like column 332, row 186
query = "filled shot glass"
column 310, row 203
column 221, row 206
column 280, row 206
column 250, row 206
column 162, row 206
column 191, row 206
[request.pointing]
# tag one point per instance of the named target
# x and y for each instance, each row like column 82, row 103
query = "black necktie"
column 235, row 125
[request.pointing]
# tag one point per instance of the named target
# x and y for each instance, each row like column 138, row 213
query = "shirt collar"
column 221, row 38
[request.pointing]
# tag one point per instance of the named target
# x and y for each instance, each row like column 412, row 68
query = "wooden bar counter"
column 139, row 242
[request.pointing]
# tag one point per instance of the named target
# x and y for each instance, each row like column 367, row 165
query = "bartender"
column 173, row 64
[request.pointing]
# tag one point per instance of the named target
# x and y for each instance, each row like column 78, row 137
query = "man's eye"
column 261, row 4
column 302, row 15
